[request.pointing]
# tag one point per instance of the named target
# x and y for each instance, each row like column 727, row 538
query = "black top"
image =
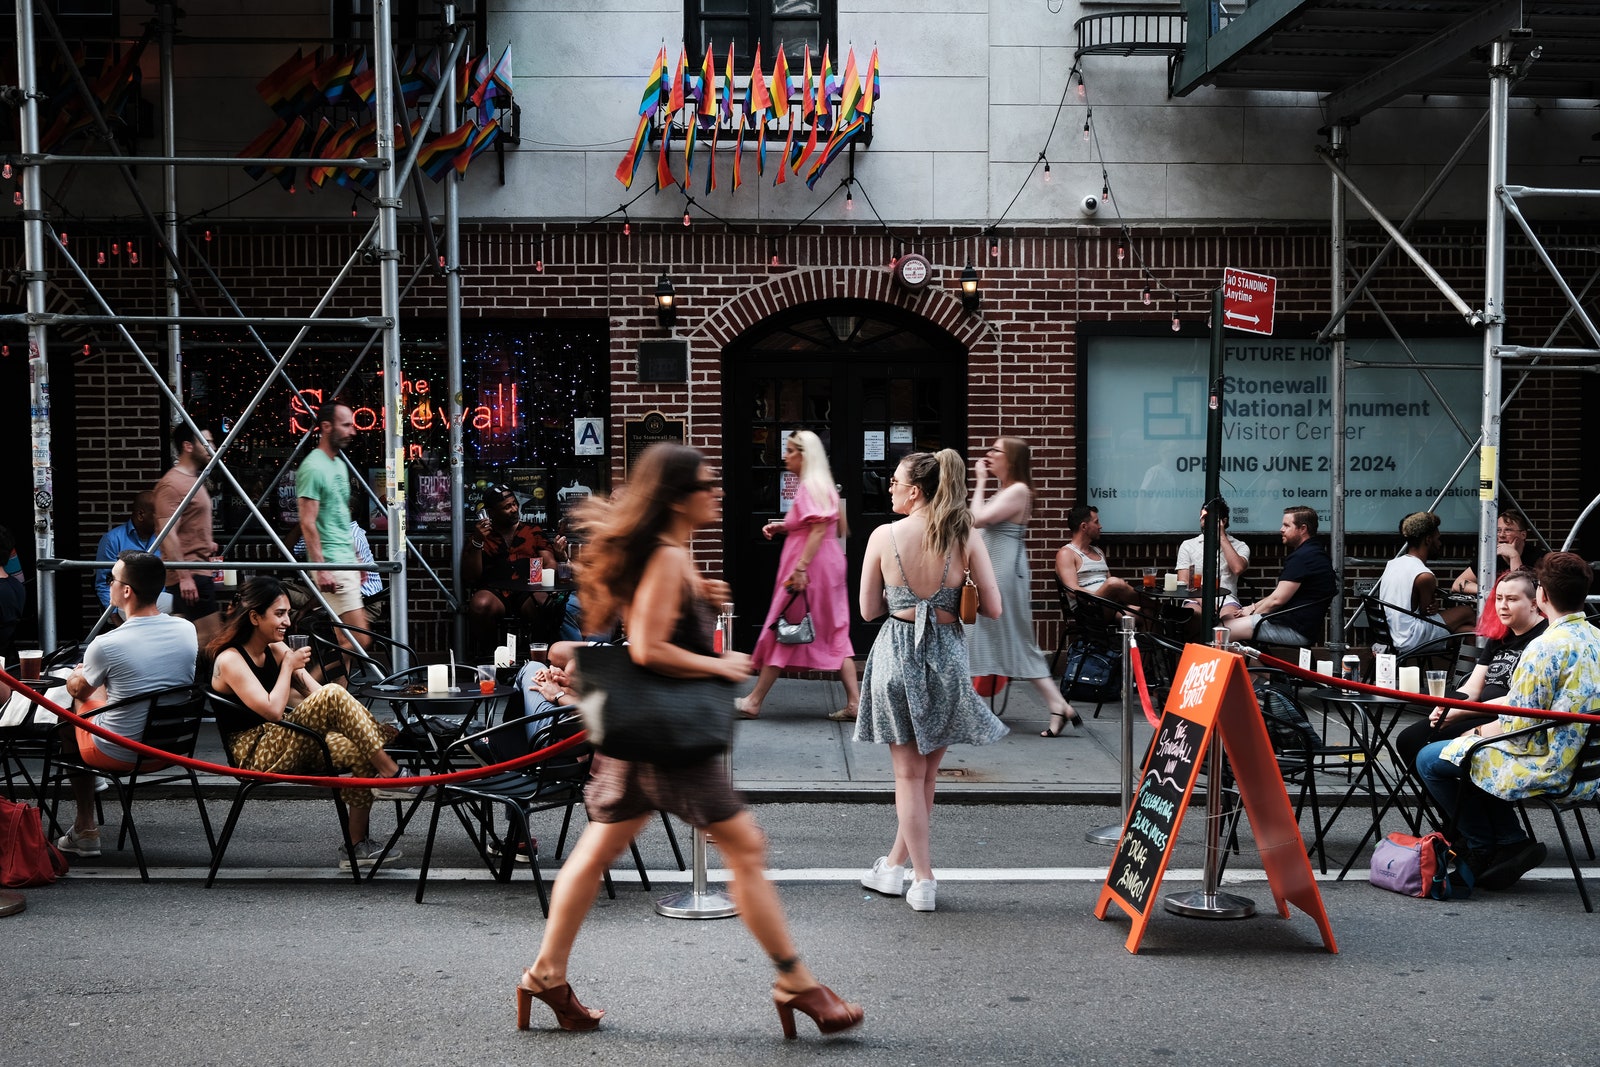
column 234, row 717
column 1501, row 657
column 1309, row 565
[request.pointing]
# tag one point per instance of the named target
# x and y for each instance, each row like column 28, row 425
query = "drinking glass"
column 1149, row 577
column 1436, row 680
column 486, row 677
column 297, row 641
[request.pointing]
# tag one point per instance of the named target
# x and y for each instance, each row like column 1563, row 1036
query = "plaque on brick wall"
column 640, row 434
column 663, row 361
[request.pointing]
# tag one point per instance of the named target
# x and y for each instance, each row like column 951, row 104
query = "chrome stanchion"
column 1209, row 902
column 1111, row 834
column 700, row 901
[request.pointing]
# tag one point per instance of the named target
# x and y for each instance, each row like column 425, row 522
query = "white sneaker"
column 403, row 792
column 885, row 878
column 366, row 852
column 86, row 843
column 920, row 895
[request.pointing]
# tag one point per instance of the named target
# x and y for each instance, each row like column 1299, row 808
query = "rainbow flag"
column 664, row 177
column 498, row 87
column 705, row 112
column 680, row 75
column 333, row 78
column 439, row 155
column 630, row 161
column 431, row 71
column 808, row 113
column 825, row 90
column 738, row 154
column 273, row 87
column 836, row 144
column 727, row 85
column 481, row 140
column 480, row 80
column 650, row 99
column 286, row 136
column 778, row 103
column 758, row 101
column 870, row 87
column 463, row 76
column 363, row 83
column 850, row 90
column 337, row 146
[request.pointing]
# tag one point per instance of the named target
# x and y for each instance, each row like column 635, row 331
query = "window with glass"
column 794, row 24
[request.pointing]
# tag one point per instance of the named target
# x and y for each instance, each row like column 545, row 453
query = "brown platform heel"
column 827, row 1010
column 570, row 1013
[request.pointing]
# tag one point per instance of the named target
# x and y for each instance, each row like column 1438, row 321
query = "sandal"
column 570, row 1013
column 742, row 705
column 1067, row 716
column 844, row 714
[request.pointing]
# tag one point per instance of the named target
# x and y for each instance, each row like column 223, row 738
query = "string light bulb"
column 354, row 200
column 1177, row 323
column 100, row 258
column 63, row 238
column 441, row 262
column 16, row 198
column 86, row 348
column 627, row 229
column 1083, row 90
column 849, row 199
column 133, row 257
column 1122, row 253
column 1087, row 116
column 115, row 247
column 686, row 219
column 208, row 236
column 1105, row 192
column 5, row 350
column 1047, row 172
column 5, row 172
column 1147, row 296
column 994, row 248
column 293, row 189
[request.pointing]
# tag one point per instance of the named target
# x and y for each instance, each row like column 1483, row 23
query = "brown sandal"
column 826, row 1008
column 570, row 1012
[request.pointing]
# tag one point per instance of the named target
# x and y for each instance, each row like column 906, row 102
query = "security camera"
column 1089, row 205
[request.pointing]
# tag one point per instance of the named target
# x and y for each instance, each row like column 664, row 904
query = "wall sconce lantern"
column 969, row 289
column 666, row 306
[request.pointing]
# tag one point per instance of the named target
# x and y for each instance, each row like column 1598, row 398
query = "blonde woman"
column 812, row 563
column 1005, row 646
column 917, row 694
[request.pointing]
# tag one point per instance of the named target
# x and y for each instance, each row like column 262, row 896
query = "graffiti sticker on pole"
column 1248, row 300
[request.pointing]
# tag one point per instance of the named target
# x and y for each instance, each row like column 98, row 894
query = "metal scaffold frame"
column 379, row 242
column 1490, row 316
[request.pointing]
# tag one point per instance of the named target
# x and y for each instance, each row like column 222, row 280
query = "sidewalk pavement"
column 793, row 753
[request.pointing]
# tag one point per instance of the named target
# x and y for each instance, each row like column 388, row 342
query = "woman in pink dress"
column 812, row 562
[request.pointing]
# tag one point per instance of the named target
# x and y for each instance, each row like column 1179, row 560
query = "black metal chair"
column 225, row 705
column 1094, row 630
column 1374, row 612
column 172, row 724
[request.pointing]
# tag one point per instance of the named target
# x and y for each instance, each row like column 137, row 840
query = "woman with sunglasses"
column 916, row 694
column 637, row 564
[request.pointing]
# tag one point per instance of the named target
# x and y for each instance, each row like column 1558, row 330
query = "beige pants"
column 348, row 728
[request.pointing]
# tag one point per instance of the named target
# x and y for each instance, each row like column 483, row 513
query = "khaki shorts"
column 346, row 596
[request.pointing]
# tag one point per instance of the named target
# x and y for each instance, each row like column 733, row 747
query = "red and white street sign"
column 1248, row 300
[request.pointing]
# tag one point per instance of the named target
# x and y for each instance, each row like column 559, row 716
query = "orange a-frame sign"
column 1211, row 691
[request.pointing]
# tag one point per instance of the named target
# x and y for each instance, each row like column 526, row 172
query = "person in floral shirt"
column 1559, row 671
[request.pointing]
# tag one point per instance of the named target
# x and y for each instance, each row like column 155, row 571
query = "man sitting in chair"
column 149, row 651
column 496, row 561
column 1304, row 591
column 1408, row 583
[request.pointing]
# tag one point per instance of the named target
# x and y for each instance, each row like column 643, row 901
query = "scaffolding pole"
column 1337, row 150
column 44, row 536
column 452, row 327
column 1494, row 284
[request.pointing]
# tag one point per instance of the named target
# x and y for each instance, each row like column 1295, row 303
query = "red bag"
column 26, row 858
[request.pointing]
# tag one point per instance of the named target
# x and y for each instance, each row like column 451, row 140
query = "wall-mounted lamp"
column 969, row 289
column 666, row 303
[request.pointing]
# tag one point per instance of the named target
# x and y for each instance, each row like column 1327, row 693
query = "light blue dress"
column 917, row 688
column 1005, row 645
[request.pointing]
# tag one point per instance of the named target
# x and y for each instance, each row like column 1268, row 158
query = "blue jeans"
column 1484, row 820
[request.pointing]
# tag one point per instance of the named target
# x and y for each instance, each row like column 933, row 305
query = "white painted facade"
column 970, row 89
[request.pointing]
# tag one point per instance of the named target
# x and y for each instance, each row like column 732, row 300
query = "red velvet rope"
column 1144, row 691
column 1332, row 682
column 295, row 779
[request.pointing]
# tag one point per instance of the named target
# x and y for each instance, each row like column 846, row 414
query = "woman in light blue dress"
column 1005, row 646
column 916, row 693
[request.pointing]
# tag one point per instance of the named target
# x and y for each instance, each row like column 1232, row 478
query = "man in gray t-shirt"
column 149, row 651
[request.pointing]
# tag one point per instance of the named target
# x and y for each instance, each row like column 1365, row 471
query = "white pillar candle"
column 1172, row 582
column 547, row 578
column 1410, row 679
column 438, row 678
column 1325, row 666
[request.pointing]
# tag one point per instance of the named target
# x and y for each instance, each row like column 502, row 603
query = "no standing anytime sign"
column 1248, row 300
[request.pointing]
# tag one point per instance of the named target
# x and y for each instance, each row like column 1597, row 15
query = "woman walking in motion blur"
column 917, row 695
column 812, row 564
column 637, row 564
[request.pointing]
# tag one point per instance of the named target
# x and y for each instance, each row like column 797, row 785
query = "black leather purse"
column 633, row 713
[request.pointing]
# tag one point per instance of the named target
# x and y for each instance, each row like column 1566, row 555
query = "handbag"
column 794, row 633
column 633, row 713
column 1092, row 674
column 969, row 596
column 1420, row 867
column 26, row 858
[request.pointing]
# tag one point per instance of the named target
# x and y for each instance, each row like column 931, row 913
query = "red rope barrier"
column 295, row 779
column 1421, row 698
column 1144, row 690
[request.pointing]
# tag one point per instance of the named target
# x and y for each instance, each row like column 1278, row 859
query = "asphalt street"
column 289, row 963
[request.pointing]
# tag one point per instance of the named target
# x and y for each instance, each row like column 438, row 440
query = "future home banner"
column 1146, row 432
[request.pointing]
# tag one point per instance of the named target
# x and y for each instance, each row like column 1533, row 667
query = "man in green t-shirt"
column 323, row 486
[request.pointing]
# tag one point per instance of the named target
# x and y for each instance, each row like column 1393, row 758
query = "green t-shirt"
column 325, row 481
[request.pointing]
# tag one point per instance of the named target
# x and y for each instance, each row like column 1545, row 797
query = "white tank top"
column 1092, row 573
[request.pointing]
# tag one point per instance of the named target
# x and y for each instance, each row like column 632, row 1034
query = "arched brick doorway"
column 874, row 381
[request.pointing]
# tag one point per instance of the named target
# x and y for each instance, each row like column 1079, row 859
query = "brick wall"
column 1023, row 368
